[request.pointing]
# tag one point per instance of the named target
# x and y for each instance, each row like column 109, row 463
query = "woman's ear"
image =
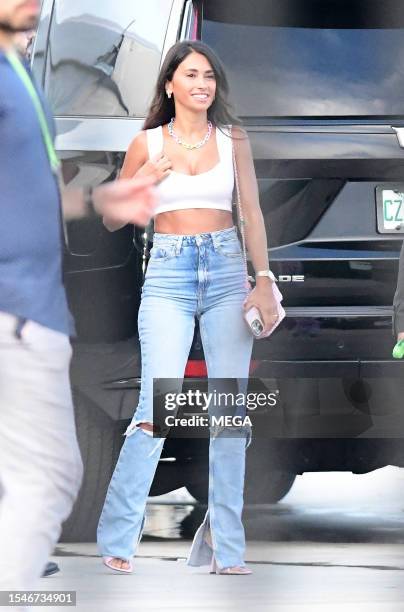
column 169, row 89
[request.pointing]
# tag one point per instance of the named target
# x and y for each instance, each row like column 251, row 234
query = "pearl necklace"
column 178, row 140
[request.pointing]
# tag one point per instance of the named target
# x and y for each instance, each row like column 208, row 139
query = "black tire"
column 100, row 439
column 199, row 490
column 264, row 484
column 265, row 481
column 272, row 486
column 271, row 489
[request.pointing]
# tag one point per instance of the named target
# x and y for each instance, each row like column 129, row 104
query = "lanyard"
column 54, row 162
column 18, row 67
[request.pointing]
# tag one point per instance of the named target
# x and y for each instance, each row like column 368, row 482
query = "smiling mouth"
column 200, row 96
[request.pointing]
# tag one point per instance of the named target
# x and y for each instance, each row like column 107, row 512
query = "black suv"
column 318, row 85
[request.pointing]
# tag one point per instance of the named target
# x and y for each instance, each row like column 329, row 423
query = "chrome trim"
column 187, row 20
column 299, row 251
column 96, row 133
column 339, row 311
column 400, row 135
column 127, row 383
column 46, row 12
column 173, row 27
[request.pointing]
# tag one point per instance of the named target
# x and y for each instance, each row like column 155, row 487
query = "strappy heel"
column 107, row 561
column 236, row 570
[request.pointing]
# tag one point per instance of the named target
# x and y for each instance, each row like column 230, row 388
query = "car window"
column 104, row 57
column 88, row 242
column 335, row 58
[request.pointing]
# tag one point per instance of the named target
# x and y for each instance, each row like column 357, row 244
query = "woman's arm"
column 255, row 233
column 135, row 158
column 137, row 163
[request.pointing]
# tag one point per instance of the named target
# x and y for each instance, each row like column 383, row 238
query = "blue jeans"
column 188, row 276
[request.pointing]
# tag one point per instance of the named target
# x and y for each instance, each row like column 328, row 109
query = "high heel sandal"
column 236, row 570
column 107, row 561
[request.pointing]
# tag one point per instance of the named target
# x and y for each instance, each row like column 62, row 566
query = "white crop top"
column 211, row 189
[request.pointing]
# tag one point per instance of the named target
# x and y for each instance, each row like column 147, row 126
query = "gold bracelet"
column 267, row 273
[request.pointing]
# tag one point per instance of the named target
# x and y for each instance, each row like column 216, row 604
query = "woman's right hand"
column 159, row 166
column 400, row 336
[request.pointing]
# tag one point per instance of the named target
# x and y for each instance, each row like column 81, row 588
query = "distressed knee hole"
column 145, row 426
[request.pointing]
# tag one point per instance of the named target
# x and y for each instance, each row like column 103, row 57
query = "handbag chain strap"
column 241, row 221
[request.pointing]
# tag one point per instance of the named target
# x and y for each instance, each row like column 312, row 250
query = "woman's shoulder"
column 239, row 132
column 154, row 129
column 147, row 134
column 241, row 142
column 136, row 155
column 224, row 128
column 139, row 141
column 236, row 131
column 143, row 137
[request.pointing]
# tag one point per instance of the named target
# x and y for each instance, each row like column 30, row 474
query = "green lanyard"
column 23, row 74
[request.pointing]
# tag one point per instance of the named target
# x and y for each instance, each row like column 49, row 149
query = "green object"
column 18, row 67
column 398, row 350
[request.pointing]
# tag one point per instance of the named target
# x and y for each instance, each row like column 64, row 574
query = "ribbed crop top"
column 211, row 189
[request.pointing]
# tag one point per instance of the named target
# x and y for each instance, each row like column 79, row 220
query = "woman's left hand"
column 262, row 298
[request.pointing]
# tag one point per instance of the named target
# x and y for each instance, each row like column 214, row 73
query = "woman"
column 196, row 268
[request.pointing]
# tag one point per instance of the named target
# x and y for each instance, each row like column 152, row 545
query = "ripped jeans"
column 188, row 276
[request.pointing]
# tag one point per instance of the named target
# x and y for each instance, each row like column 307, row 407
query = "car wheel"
column 100, row 440
column 264, row 484
column 265, row 481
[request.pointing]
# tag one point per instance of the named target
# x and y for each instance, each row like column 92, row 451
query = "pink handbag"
column 253, row 314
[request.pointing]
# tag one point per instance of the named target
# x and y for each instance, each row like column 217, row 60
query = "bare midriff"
column 193, row 221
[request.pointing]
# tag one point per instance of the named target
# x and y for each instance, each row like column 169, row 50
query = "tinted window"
column 104, row 56
column 334, row 58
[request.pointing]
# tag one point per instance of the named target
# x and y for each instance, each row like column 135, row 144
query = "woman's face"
column 193, row 84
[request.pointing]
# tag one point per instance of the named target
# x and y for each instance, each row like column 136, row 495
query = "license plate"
column 390, row 209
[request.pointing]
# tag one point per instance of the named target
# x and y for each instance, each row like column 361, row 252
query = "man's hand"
column 126, row 201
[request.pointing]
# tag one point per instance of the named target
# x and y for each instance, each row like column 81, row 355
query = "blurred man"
column 40, row 463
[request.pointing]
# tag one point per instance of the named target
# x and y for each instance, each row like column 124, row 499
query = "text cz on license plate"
column 390, row 208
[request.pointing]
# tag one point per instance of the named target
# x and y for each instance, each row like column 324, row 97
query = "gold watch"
column 267, row 273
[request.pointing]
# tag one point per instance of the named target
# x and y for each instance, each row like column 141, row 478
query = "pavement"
column 335, row 543
column 287, row 577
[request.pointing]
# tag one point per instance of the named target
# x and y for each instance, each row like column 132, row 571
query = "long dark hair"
column 162, row 108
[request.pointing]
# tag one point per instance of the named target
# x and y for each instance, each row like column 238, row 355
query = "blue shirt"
column 31, row 284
